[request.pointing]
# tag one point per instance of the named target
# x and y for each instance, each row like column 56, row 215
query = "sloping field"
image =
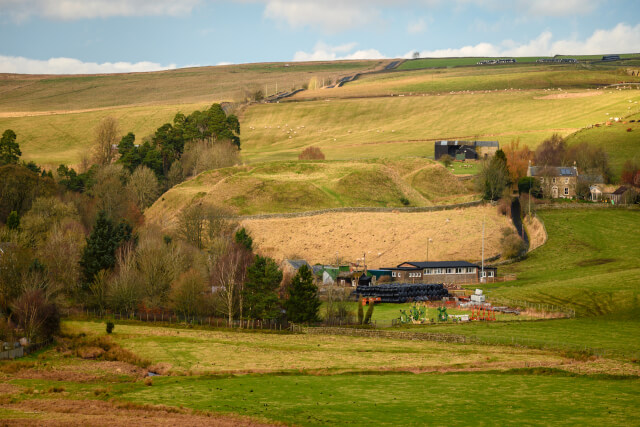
column 300, row 186
column 619, row 143
column 387, row 239
column 188, row 85
column 405, row 126
column 590, row 262
column 480, row 78
column 460, row 103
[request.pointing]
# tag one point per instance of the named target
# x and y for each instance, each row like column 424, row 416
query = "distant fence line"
column 514, row 341
column 363, row 209
column 556, row 206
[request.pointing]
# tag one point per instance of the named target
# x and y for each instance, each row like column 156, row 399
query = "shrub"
column 367, row 317
column 311, row 153
column 404, row 201
column 511, row 244
column 504, row 207
column 360, row 312
column 110, row 327
column 446, row 160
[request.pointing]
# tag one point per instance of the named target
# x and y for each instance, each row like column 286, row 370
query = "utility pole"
column 364, row 261
column 482, row 274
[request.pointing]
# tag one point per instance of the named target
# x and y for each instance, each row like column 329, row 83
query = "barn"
column 466, row 150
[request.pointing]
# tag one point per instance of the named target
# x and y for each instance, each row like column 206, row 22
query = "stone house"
column 556, row 181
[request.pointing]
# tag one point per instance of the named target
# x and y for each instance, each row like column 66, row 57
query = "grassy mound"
column 310, row 185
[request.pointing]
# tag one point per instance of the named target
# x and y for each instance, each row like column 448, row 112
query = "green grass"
column 619, row 144
column 408, row 126
column 405, row 399
column 277, row 187
column 590, row 262
column 450, row 62
column 215, row 351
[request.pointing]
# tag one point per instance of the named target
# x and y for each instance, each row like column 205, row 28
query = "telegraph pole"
column 482, row 274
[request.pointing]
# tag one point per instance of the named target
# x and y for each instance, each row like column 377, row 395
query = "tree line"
column 73, row 239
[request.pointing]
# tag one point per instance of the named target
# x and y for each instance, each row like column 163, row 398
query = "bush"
column 311, row 153
column 446, row 160
column 360, row 312
column 504, row 207
column 110, row 327
column 511, row 244
column 367, row 317
column 405, row 201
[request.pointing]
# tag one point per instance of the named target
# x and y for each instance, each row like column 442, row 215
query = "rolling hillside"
column 278, row 187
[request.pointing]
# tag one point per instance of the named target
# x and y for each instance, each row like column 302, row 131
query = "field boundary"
column 513, row 341
column 560, row 206
column 416, row 209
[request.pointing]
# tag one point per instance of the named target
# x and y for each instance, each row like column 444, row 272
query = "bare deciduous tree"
column 143, row 186
column 228, row 275
column 107, row 136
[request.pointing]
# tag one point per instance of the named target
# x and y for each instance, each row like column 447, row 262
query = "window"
column 566, row 180
column 393, row 274
column 449, row 270
column 484, row 274
column 438, row 271
column 459, row 270
column 471, row 270
column 566, row 191
column 399, row 274
column 490, row 273
column 427, row 271
column 553, row 180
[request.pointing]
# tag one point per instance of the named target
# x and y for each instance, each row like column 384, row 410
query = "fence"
column 19, row 351
column 176, row 319
column 514, row 341
column 539, row 307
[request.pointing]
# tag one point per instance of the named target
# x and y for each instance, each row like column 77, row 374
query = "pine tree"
column 303, row 303
column 261, row 289
column 99, row 254
column 243, row 238
column 9, row 148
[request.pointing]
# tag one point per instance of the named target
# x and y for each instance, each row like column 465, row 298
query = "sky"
column 107, row 36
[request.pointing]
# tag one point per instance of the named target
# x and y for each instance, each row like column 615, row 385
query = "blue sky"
column 90, row 36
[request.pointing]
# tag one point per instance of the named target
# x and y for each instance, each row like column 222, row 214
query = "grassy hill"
column 187, row 85
column 407, row 126
column 619, row 143
column 436, row 104
column 300, row 186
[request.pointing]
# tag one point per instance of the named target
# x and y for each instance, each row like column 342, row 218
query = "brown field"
column 387, row 238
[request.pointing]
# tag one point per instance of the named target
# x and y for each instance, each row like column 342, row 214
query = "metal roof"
column 553, row 171
column 434, row 264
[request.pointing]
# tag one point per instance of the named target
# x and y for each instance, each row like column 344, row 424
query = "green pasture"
column 432, row 399
column 415, row 64
column 219, row 351
column 589, row 262
column 275, row 187
column 619, row 143
column 408, row 126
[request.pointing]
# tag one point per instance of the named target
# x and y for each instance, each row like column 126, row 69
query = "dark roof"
column 621, row 190
column 434, row 264
column 553, row 171
column 297, row 263
column 469, row 143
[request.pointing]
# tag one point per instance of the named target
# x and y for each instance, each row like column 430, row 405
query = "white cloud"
column 81, row 9
column 329, row 15
column 324, row 52
column 17, row 64
column 622, row 38
column 417, row 27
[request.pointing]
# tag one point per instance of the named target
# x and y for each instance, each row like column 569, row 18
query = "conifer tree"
column 100, row 252
column 261, row 289
column 303, row 303
column 13, row 220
